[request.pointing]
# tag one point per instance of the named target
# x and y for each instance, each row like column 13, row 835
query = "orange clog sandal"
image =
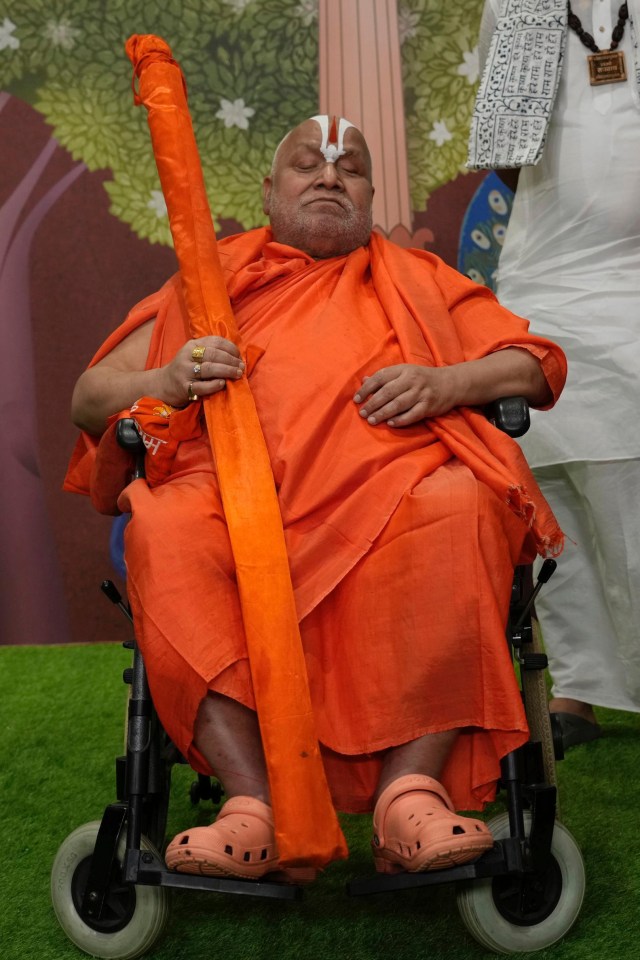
column 239, row 843
column 416, row 829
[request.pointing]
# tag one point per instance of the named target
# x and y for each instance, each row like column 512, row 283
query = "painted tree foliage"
column 252, row 72
column 440, row 64
column 251, row 68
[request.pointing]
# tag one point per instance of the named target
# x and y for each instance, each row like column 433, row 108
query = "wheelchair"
column 110, row 887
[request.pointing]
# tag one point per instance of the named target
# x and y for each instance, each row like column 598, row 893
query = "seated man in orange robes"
column 404, row 514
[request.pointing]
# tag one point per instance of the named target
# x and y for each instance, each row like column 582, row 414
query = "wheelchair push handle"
column 128, row 437
column 509, row 414
column 112, row 593
column 545, row 572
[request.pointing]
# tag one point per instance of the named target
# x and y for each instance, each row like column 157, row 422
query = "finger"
column 212, row 341
column 222, row 358
column 416, row 414
column 367, row 388
column 211, row 370
column 214, row 348
column 222, row 355
column 221, row 343
column 386, row 393
column 212, row 386
column 394, row 408
column 203, row 389
column 374, row 382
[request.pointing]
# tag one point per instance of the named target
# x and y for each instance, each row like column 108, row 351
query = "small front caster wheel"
column 512, row 914
column 134, row 916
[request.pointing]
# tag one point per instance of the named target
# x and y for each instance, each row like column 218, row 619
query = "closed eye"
column 350, row 166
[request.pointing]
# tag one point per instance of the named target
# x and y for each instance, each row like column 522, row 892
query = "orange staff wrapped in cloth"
column 299, row 793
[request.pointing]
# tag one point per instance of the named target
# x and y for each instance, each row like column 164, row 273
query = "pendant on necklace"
column 607, row 66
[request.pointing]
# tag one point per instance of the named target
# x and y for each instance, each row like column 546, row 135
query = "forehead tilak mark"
column 332, row 144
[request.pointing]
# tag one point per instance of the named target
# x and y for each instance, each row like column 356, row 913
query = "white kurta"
column 571, row 264
column 571, row 258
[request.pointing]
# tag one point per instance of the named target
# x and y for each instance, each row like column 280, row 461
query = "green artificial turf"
column 62, row 711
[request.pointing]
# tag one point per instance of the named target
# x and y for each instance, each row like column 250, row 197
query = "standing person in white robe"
column 571, row 263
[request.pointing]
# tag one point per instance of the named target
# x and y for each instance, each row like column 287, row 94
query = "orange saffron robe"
column 401, row 542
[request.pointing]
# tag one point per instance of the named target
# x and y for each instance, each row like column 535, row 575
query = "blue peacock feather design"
column 483, row 230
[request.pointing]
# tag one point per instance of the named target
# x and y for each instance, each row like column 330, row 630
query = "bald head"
column 332, row 131
column 318, row 195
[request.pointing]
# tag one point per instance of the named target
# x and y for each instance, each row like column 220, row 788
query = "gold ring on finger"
column 190, row 394
column 196, row 369
column 198, row 353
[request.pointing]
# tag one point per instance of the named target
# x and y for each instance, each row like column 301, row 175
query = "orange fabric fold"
column 306, row 825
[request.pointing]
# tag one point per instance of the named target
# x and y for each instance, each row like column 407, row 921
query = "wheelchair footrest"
column 146, row 869
column 248, row 888
column 491, row 864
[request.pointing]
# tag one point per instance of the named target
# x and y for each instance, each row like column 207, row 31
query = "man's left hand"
column 406, row 393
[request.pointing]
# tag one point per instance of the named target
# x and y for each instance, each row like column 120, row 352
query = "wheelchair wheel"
column 134, row 916
column 500, row 915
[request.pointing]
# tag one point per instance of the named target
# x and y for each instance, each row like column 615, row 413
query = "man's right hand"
column 120, row 378
column 221, row 362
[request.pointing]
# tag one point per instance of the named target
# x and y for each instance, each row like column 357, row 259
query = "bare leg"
column 241, row 840
column 228, row 735
column 426, row 755
column 577, row 707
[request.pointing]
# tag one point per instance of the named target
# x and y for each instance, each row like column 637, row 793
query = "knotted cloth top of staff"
column 306, row 825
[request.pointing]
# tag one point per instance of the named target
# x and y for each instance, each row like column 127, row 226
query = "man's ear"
column 266, row 194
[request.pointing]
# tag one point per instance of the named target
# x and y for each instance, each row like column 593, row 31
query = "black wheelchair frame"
column 526, row 880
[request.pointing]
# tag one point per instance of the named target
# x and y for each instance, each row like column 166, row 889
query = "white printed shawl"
column 520, row 81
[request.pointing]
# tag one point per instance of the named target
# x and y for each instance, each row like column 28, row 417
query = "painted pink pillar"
column 361, row 79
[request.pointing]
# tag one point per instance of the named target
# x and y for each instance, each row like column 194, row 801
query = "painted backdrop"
column 83, row 226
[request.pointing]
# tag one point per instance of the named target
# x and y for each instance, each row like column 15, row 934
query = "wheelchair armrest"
column 509, row 414
column 130, row 440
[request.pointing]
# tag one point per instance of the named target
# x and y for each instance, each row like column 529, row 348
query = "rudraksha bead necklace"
column 605, row 66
